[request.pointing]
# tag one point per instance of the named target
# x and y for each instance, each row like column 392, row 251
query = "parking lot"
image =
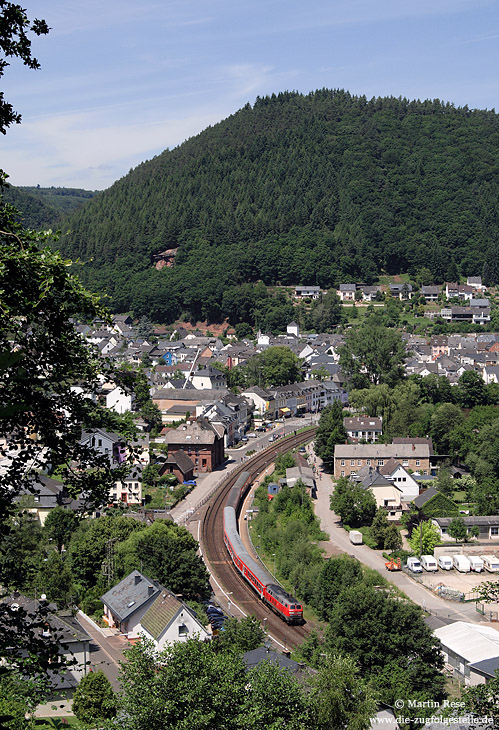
column 464, row 582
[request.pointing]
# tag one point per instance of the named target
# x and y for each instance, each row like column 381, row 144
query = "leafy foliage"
column 354, row 504
column 94, row 699
column 424, row 538
column 330, row 432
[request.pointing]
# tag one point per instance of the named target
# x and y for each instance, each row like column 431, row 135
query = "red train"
column 287, row 607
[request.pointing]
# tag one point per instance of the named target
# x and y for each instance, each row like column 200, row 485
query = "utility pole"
column 108, row 562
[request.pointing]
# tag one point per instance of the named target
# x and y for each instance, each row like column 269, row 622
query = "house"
column 119, row 401
column 430, row 293
column 129, row 489
column 202, row 441
column 127, row 602
column 439, row 346
column 255, row 657
column 169, row 620
column 272, row 490
column 59, row 626
column 363, row 428
column 293, row 329
column 396, row 473
column 307, row 292
column 260, row 399
column 46, row 494
column 459, row 291
column 475, row 282
column 435, row 504
column 209, row 378
column 386, row 493
column 105, row 443
column 466, row 644
column 350, row 458
column 487, row 525
column 369, row 293
column 346, row 292
column 179, row 464
column 401, row 291
column 300, row 473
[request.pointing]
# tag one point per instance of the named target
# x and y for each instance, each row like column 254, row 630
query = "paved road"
column 339, row 540
column 106, row 652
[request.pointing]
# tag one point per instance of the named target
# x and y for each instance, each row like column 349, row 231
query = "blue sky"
column 122, row 81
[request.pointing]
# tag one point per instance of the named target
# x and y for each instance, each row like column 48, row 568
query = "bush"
column 94, row 699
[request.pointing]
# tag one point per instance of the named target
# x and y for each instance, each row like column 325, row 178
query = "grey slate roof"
column 487, row 667
column 130, row 594
column 422, row 499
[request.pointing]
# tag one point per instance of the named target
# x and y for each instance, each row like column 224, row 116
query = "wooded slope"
column 310, row 189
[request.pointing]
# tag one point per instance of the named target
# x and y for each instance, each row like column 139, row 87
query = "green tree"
column 54, row 578
column 354, row 504
column 393, row 539
column 330, row 432
column 444, row 420
column 389, row 641
column 457, row 529
column 424, row 538
column 151, row 414
column 94, row 700
column 336, row 575
column 59, row 526
column 87, row 549
column 471, row 389
column 166, row 552
column 341, row 697
column 373, row 354
column 379, row 528
column 275, row 366
column 15, row 41
column 241, row 635
column 192, row 685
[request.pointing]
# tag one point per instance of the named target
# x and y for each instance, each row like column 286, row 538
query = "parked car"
column 414, row 565
column 251, row 435
column 190, row 483
column 244, row 438
column 445, row 562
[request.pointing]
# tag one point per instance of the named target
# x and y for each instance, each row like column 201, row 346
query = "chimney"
column 150, row 590
column 137, row 579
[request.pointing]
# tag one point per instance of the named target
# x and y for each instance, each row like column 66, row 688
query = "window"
column 494, row 530
column 405, row 462
column 359, row 462
column 381, row 462
column 418, row 462
column 100, row 442
column 183, row 630
column 342, row 462
column 342, row 473
column 352, row 462
column 368, row 462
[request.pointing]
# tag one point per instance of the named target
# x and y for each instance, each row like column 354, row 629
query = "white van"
column 476, row 563
column 445, row 562
column 490, row 563
column 414, row 565
column 429, row 563
column 461, row 563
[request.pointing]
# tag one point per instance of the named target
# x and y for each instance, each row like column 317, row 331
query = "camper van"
column 476, row 563
column 414, row 565
column 461, row 563
column 445, row 562
column 356, row 537
column 429, row 563
column 490, row 563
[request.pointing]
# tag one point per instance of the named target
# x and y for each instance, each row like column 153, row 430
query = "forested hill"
column 44, row 207
column 311, row 189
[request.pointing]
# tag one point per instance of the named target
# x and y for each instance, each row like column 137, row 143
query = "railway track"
column 216, row 555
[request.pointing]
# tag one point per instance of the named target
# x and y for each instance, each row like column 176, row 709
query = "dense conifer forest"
column 44, row 207
column 314, row 189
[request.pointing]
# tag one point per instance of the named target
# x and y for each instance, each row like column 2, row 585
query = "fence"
column 487, row 613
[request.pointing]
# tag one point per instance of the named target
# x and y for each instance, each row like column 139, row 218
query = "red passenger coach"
column 252, row 571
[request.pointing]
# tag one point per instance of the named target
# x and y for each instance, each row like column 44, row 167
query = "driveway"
column 106, row 652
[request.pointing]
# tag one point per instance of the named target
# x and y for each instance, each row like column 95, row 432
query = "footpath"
column 339, row 542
